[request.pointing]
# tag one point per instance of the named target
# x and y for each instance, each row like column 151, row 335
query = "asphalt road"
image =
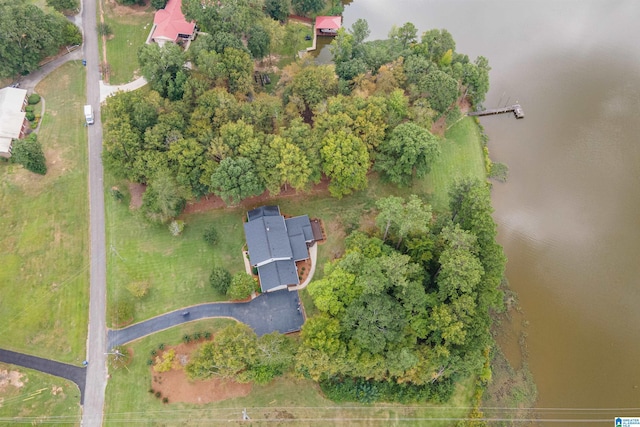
column 70, row 372
column 96, row 380
column 277, row 311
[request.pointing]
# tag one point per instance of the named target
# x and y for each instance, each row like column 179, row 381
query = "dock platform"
column 516, row 109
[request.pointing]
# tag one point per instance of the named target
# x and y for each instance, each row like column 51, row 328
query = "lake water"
column 569, row 215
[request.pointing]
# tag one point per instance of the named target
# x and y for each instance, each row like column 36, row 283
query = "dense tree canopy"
column 29, row 35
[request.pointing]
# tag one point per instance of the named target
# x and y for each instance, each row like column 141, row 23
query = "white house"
column 13, row 124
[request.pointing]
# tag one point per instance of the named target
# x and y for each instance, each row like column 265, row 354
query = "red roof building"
column 328, row 25
column 169, row 24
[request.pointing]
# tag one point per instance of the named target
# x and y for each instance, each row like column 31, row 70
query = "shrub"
column 149, row 362
column 161, row 346
column 165, row 400
column 122, row 310
column 364, row 391
column 186, row 338
column 139, row 289
column 104, row 29
column 29, row 108
column 165, row 363
column 117, row 194
column 241, row 286
column 220, row 280
column 207, row 335
column 158, row 394
column 33, row 99
column 158, row 4
column 151, row 391
column 211, row 236
column 30, row 116
column 176, row 227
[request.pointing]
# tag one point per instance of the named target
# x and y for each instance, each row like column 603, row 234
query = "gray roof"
column 263, row 211
column 275, row 244
column 278, row 273
column 300, row 225
column 267, row 239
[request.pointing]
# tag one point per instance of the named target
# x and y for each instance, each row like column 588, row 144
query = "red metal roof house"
column 328, row 25
column 170, row 25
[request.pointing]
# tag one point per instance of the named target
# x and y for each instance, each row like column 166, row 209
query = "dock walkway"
column 516, row 109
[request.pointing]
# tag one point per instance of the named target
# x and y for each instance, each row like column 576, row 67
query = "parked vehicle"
column 88, row 114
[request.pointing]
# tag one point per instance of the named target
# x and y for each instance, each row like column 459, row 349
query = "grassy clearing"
column 294, row 401
column 461, row 156
column 44, row 238
column 35, row 398
column 176, row 268
column 130, row 28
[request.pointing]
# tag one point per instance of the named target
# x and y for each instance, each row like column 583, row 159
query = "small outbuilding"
column 13, row 123
column 328, row 25
column 170, row 25
column 275, row 244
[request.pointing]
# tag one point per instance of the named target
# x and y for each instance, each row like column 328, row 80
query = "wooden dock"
column 516, row 109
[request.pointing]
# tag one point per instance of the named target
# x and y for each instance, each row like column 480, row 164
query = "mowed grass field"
column 130, row 27
column 285, row 401
column 177, row 269
column 30, row 398
column 44, row 278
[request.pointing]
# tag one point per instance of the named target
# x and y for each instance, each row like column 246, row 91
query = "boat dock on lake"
column 516, row 109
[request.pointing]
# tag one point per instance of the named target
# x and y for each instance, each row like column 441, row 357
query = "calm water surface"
column 569, row 215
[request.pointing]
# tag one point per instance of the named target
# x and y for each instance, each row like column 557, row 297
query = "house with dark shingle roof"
column 275, row 244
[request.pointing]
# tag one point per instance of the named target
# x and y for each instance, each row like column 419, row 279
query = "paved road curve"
column 70, row 372
column 277, row 311
column 96, row 341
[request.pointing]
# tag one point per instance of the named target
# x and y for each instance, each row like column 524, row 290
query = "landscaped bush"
column 164, row 363
column 33, row 99
column 220, row 280
column 29, row 108
column 241, row 286
column 28, row 153
column 211, row 235
column 176, row 227
column 30, row 116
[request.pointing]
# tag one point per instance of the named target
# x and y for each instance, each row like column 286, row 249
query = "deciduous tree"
column 345, row 162
column 236, row 179
column 410, row 150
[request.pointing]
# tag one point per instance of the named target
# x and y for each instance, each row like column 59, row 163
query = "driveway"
column 275, row 311
column 70, row 372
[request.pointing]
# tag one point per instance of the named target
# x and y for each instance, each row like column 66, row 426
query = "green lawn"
column 36, row 398
column 176, row 268
column 296, row 402
column 129, row 32
column 461, row 157
column 44, row 279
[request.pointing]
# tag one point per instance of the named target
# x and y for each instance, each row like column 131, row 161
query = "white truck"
column 88, row 114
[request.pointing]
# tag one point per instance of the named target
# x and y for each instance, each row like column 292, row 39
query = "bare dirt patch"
column 10, row 378
column 135, row 192
column 175, row 386
column 212, row 201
